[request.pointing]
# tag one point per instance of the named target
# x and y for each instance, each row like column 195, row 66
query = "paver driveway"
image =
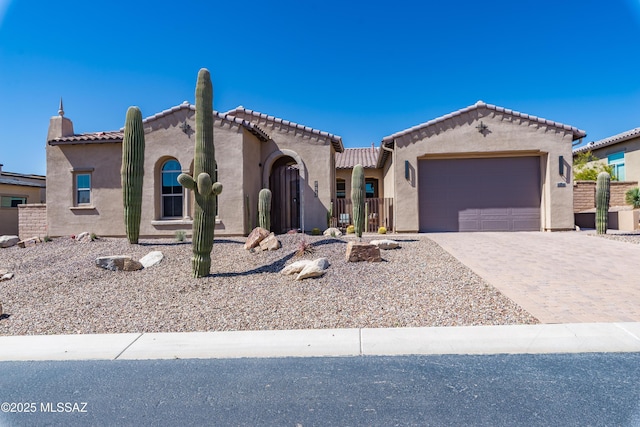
column 562, row 277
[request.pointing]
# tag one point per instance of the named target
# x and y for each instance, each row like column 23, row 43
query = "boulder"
column 151, row 259
column 332, row 231
column 296, row 267
column 8, row 241
column 26, row 243
column 257, row 235
column 270, row 243
column 314, row 269
column 118, row 262
column 385, row 244
column 6, row 276
column 359, row 251
column 83, row 237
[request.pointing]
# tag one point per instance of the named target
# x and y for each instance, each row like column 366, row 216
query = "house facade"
column 253, row 151
column 17, row 189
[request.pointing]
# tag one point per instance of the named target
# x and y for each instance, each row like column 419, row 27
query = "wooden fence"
column 379, row 214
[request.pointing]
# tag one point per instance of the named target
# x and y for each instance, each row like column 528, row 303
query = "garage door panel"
column 501, row 194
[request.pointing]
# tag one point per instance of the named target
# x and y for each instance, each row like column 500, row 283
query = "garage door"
column 492, row 194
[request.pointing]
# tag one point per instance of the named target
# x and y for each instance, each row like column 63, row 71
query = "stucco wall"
column 631, row 149
column 33, row 220
column 9, row 216
column 505, row 136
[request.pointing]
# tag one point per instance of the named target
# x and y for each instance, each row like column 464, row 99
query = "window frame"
column 617, row 160
column 12, row 198
column 78, row 189
column 164, row 196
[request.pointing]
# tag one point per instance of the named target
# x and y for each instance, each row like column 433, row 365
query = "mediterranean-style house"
column 17, row 189
column 481, row 168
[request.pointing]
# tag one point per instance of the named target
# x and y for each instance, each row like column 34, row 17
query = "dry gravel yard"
column 57, row 289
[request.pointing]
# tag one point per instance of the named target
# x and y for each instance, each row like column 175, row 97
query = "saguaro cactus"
column 264, row 208
column 358, row 199
column 602, row 202
column 132, row 172
column 204, row 186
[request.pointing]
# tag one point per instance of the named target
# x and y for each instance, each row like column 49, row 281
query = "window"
column 83, row 189
column 12, row 201
column 341, row 188
column 171, row 190
column 617, row 161
column 371, row 188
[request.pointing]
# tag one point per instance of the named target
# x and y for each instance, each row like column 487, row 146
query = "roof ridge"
column 610, row 140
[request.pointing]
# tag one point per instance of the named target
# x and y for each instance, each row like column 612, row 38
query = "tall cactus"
column 358, row 199
column 264, row 208
column 204, row 186
column 602, row 202
column 132, row 172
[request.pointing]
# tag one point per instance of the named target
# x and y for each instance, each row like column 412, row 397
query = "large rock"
column 83, row 237
column 314, row 269
column 358, row 251
column 118, row 262
column 26, row 243
column 270, row 243
column 151, row 259
column 5, row 275
column 257, row 235
column 296, row 267
column 385, row 244
column 8, row 241
column 333, row 232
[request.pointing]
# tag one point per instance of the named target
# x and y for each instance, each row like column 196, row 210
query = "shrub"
column 315, row 231
column 632, row 197
column 181, row 235
column 586, row 167
column 304, row 247
column 93, row 237
column 382, row 230
column 351, row 229
column 47, row 239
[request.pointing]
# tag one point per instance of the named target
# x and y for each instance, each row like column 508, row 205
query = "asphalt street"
column 596, row 389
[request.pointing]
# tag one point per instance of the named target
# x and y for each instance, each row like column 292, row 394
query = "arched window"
column 171, row 190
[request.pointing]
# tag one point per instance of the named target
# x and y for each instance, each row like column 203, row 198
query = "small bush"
column 47, row 239
column 315, row 231
column 181, row 235
column 382, row 230
column 351, row 229
column 632, row 197
column 93, row 237
column 304, row 247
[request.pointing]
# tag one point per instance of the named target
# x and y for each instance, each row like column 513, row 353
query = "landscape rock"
column 83, row 237
column 270, row 243
column 296, row 267
column 6, row 276
column 1, row 309
column 7, row 241
column 359, row 251
column 257, row 235
column 314, row 269
column 26, row 243
column 118, row 262
column 385, row 244
column 151, row 259
column 332, row 231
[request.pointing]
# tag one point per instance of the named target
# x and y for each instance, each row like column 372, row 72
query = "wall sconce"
column 561, row 165
column 407, row 172
column 315, row 188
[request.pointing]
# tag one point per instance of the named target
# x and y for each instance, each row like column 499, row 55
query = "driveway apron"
column 562, row 277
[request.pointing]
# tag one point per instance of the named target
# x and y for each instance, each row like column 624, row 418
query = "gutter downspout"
column 393, row 161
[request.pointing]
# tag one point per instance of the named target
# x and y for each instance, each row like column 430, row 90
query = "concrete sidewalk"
column 514, row 339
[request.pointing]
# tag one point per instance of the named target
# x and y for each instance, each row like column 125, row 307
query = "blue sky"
column 361, row 70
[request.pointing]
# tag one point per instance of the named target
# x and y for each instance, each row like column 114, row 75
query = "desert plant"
column 181, row 235
column 132, row 172
column 315, row 231
column 304, row 247
column 351, row 229
column 264, row 208
column 358, row 198
column 632, row 197
column 47, row 239
column 204, row 186
column 602, row 202
column 586, row 167
column 382, row 230
column 93, row 237
column 247, row 215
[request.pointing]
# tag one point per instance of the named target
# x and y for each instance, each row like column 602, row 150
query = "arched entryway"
column 284, row 183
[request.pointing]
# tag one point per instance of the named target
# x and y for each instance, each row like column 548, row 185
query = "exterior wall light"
column 315, row 188
column 407, row 172
column 561, row 165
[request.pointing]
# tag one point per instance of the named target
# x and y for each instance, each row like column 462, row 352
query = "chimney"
column 59, row 126
column 1, row 167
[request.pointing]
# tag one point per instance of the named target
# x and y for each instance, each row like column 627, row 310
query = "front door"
column 284, row 184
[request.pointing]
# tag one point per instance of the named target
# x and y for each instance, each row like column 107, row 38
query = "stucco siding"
column 8, row 215
column 631, row 149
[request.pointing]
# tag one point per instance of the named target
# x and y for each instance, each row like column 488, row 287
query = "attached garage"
column 479, row 194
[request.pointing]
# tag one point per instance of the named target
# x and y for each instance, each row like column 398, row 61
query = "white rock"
column 332, row 231
column 317, row 268
column 8, row 240
column 7, row 276
column 151, row 259
column 385, row 244
column 296, row 267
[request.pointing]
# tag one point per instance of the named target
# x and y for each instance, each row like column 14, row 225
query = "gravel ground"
column 628, row 237
column 57, row 289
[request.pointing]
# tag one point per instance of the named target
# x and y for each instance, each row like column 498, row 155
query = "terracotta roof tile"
column 615, row 139
column 87, row 138
column 336, row 141
column 367, row 157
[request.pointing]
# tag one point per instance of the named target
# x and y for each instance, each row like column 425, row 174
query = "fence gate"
column 284, row 183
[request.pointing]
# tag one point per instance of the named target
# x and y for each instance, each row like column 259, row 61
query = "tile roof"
column 367, row 157
column 336, row 141
column 615, row 139
column 116, row 136
column 388, row 141
column 18, row 181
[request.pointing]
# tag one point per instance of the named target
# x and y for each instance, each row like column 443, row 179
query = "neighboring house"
column 622, row 151
column 17, row 189
column 252, row 150
column 481, row 168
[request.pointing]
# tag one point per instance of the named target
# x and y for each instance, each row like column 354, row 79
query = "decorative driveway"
column 561, row 277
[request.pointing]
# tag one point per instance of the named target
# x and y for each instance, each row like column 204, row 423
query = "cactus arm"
column 187, row 181
column 264, row 208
